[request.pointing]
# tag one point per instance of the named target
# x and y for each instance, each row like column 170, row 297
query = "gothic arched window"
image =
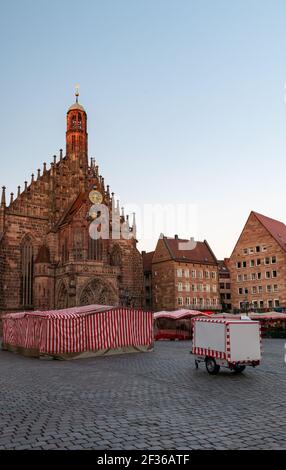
column 115, row 256
column 27, row 271
column 95, row 249
column 65, row 252
column 73, row 121
column 78, row 244
column 79, row 121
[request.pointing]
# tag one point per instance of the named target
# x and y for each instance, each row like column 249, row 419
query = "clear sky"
column 185, row 101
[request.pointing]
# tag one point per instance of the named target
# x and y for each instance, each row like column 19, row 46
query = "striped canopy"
column 178, row 314
column 71, row 312
column 78, row 329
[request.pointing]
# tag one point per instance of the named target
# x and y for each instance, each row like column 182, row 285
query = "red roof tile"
column 201, row 253
column 276, row 228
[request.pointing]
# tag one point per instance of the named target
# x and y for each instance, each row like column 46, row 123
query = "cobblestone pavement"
column 143, row 401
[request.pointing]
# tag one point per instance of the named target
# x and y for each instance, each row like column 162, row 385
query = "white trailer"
column 226, row 342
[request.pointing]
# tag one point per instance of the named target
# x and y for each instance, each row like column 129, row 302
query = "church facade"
column 50, row 258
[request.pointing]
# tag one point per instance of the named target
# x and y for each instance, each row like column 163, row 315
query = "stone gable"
column 251, row 263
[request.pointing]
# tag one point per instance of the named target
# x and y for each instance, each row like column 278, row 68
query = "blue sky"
column 185, row 101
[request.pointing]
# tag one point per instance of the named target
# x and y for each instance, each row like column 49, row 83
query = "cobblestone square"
column 152, row 400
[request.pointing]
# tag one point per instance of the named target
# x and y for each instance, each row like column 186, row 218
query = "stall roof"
column 225, row 315
column 179, row 314
column 226, row 320
column 63, row 313
column 253, row 315
column 268, row 316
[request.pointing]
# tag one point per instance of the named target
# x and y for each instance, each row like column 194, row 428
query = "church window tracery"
column 79, row 121
column 73, row 121
column 27, row 271
column 95, row 249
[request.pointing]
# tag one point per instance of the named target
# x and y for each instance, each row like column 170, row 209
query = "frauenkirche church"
column 47, row 257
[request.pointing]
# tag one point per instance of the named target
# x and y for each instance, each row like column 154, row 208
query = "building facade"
column 184, row 275
column 224, row 285
column 51, row 252
column 258, row 265
column 147, row 269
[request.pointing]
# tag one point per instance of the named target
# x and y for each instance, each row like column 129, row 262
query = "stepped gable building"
column 258, row 265
column 184, row 275
column 47, row 257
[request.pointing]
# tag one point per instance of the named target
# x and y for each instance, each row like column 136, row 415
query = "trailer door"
column 244, row 342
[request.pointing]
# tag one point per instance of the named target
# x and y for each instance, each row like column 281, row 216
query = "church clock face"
column 95, row 197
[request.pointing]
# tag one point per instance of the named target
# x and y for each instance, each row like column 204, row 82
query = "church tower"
column 76, row 135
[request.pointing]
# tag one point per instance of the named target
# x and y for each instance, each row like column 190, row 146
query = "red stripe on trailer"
column 209, row 352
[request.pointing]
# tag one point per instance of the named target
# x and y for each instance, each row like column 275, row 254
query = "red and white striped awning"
column 178, row 314
column 71, row 312
column 78, row 329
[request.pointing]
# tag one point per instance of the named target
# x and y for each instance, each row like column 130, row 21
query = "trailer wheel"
column 211, row 366
column 238, row 368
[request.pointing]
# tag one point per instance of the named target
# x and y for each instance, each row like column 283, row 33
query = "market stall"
column 272, row 323
column 174, row 324
column 78, row 331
